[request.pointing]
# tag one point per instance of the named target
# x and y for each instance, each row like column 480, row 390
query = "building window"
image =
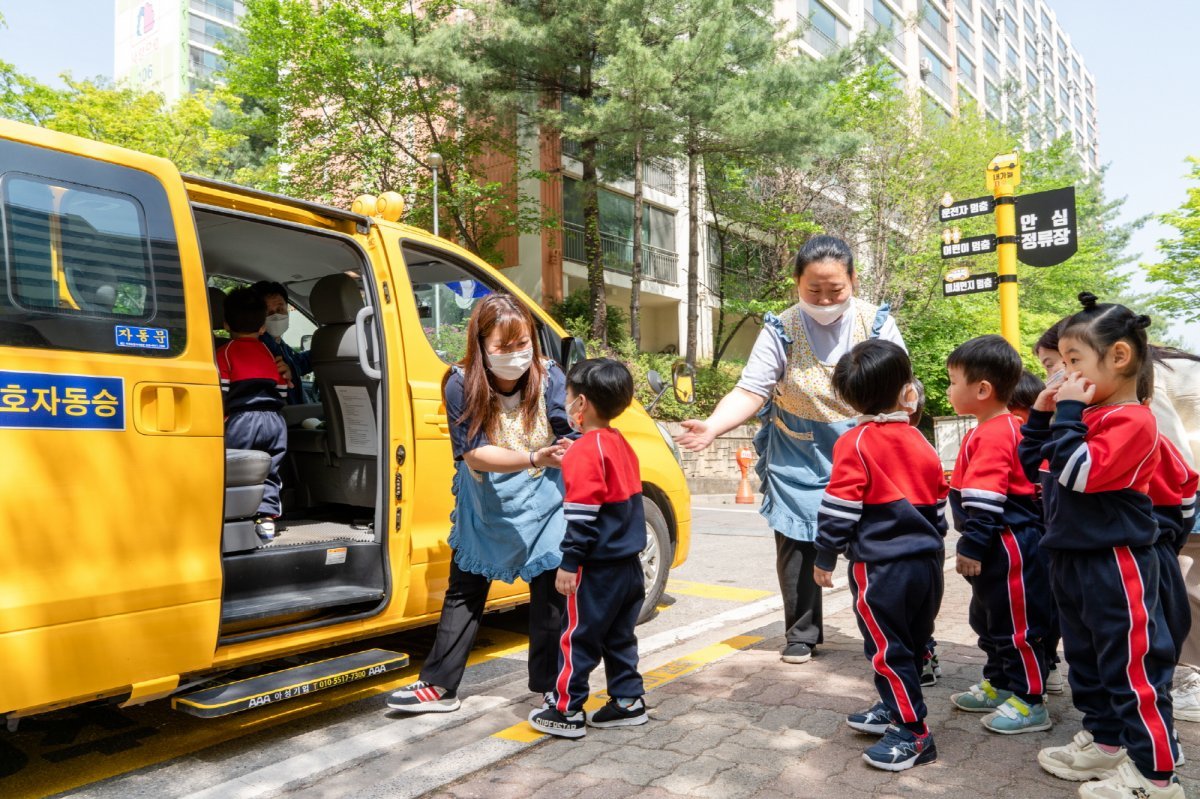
column 935, row 25
column 966, row 68
column 965, row 34
column 1014, row 58
column 1031, row 51
column 1010, row 24
column 991, row 63
column 204, row 64
column 991, row 94
column 1031, row 80
column 1062, row 71
column 1064, row 99
column 825, row 32
column 206, row 32
column 1030, row 25
column 616, row 233
column 1075, row 65
column 228, row 10
column 988, row 24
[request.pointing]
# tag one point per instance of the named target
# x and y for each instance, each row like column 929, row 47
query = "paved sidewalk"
column 752, row 726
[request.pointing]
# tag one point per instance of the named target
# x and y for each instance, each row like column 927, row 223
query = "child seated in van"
column 254, row 394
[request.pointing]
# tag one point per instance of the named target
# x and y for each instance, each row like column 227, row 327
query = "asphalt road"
column 342, row 742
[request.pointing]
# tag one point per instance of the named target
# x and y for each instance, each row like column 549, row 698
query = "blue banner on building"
column 43, row 401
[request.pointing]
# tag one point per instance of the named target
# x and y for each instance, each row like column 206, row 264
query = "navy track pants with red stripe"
column 1119, row 651
column 599, row 625
column 896, row 602
column 1172, row 593
column 1011, row 613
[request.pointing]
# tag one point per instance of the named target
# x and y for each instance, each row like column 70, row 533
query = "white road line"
column 335, row 756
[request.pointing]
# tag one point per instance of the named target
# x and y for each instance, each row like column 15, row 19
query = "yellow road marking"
column 522, row 732
column 42, row 778
column 707, row 591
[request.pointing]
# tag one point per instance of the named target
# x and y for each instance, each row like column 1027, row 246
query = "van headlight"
column 671, row 445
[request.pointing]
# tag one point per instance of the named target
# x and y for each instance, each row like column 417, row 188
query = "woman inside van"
column 508, row 430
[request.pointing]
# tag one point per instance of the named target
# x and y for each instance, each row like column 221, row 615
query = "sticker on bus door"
column 53, row 401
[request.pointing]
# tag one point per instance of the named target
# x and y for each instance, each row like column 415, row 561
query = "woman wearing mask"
column 788, row 381
column 292, row 365
column 508, row 423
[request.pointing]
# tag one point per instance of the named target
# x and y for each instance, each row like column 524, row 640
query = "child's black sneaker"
column 421, row 697
column 614, row 715
column 554, row 723
column 900, row 749
column 796, row 653
column 874, row 721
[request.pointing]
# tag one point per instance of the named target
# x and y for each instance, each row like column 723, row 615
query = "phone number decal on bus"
column 43, row 401
column 317, row 685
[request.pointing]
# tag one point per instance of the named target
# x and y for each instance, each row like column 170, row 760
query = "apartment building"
column 171, row 46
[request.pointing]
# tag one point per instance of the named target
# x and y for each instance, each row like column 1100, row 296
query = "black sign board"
column 1046, row 230
column 965, row 208
column 975, row 245
column 988, row 281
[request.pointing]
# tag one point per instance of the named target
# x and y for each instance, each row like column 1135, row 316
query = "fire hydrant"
column 745, row 493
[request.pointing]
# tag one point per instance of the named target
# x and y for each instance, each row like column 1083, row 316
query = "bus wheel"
column 655, row 558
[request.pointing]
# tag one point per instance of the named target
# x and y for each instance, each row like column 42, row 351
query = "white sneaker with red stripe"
column 421, row 697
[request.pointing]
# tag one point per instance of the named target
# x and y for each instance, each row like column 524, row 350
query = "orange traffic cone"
column 745, row 493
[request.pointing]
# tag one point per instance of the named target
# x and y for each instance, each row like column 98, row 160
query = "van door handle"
column 439, row 420
column 162, row 409
column 360, row 333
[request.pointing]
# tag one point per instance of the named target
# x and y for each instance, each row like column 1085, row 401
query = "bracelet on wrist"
column 531, row 461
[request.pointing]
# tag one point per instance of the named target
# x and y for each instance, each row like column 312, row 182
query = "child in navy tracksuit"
column 1097, row 459
column 600, row 574
column 1173, row 492
column 1001, row 526
column 254, row 394
column 884, row 508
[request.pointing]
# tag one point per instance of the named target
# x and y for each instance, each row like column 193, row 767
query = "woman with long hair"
column 508, row 430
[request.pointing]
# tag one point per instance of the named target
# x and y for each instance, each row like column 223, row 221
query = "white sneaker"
column 1054, row 681
column 1186, row 698
column 1128, row 783
column 1081, row 759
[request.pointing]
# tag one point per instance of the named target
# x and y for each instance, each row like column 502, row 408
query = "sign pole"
column 1003, row 176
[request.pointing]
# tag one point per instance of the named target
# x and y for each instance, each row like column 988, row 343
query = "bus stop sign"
column 1046, row 230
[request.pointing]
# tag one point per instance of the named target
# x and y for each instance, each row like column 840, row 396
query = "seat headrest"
column 336, row 300
column 216, row 307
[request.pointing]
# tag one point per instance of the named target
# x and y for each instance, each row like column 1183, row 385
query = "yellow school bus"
column 132, row 571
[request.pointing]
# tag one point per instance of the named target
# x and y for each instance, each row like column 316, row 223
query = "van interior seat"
column 245, row 472
column 342, row 470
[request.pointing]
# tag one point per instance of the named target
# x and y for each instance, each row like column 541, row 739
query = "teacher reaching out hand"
column 788, row 382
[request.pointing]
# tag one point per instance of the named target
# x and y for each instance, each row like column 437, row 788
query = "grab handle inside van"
column 364, row 355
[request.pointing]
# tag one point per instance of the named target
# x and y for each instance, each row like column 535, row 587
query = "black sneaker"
column 796, row 653
column 901, row 749
column 421, row 697
column 929, row 673
column 874, row 721
column 613, row 715
column 555, row 723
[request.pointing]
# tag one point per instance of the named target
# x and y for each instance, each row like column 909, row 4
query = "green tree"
column 200, row 133
column 353, row 91
column 1179, row 270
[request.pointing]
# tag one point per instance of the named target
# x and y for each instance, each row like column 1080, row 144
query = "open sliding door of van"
column 110, row 427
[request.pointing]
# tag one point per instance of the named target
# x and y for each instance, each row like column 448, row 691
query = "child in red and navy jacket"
column 1001, row 527
column 1097, row 459
column 600, row 573
column 1173, row 492
column 884, row 508
column 254, row 394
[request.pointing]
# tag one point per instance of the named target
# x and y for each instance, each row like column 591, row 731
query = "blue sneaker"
column 901, row 749
column 874, row 721
column 1016, row 716
column 983, row 697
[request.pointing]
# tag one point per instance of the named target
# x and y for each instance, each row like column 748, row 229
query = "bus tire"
column 655, row 558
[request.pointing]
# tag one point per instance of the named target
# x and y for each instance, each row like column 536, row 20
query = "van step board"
column 267, row 689
column 279, row 603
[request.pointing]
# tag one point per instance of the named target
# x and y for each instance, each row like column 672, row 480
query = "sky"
column 1142, row 56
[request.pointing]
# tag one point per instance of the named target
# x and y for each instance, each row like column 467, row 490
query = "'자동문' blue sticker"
column 43, row 401
column 142, row 338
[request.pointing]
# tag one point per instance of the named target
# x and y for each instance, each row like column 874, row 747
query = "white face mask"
column 510, row 365
column 904, row 402
column 826, row 314
column 277, row 324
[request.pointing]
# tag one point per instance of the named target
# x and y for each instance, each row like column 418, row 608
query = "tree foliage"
column 1179, row 270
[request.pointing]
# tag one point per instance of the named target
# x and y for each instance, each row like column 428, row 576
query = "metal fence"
column 658, row 173
column 617, row 251
column 896, row 43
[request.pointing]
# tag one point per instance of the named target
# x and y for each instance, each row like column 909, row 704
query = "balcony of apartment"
column 820, row 41
column 617, row 251
column 938, row 87
column 658, row 173
column 225, row 10
column 895, row 43
column 934, row 34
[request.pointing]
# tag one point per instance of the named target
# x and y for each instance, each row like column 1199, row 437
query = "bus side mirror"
column 306, row 343
column 683, row 378
column 657, row 386
column 573, row 351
